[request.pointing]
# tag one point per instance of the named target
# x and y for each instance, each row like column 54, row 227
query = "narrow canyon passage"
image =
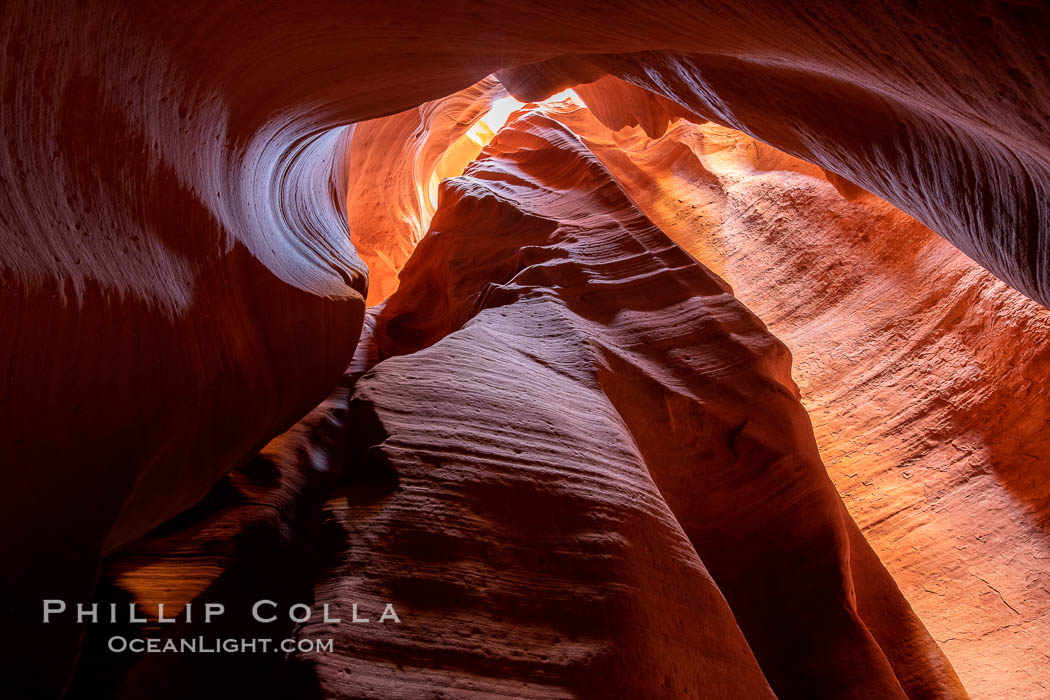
column 676, row 350
column 672, row 510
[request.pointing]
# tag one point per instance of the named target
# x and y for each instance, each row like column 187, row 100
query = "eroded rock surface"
column 179, row 286
column 395, row 164
column 161, row 152
column 923, row 375
column 679, row 448
column 536, row 550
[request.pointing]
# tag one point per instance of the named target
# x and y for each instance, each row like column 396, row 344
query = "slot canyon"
column 625, row 350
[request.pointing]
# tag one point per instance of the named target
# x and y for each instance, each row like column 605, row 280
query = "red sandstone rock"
column 178, row 285
column 177, row 137
column 397, row 531
column 673, row 494
column 943, row 114
column 395, row 165
column 920, row 371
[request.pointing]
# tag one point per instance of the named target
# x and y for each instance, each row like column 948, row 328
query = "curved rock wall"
column 574, row 448
column 943, row 113
column 142, row 124
column 178, row 282
column 394, row 168
column 677, row 416
column 922, row 373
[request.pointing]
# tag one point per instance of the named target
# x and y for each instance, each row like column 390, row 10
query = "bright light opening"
column 466, row 148
column 484, row 130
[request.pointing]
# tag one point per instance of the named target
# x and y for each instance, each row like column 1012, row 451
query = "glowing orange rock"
column 395, row 164
column 920, row 371
column 594, row 453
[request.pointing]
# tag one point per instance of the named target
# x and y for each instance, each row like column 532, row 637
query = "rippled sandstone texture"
column 924, row 373
column 577, row 377
column 580, row 469
column 925, row 376
column 177, row 279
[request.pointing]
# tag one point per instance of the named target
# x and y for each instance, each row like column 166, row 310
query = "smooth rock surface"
column 671, row 510
column 923, row 374
column 177, row 280
column 395, row 164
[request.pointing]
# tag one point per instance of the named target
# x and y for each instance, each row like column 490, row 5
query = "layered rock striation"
column 179, row 284
column 575, row 447
column 673, row 510
column 920, row 370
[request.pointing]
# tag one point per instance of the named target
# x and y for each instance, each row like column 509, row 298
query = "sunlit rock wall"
column 178, row 281
column 924, row 375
